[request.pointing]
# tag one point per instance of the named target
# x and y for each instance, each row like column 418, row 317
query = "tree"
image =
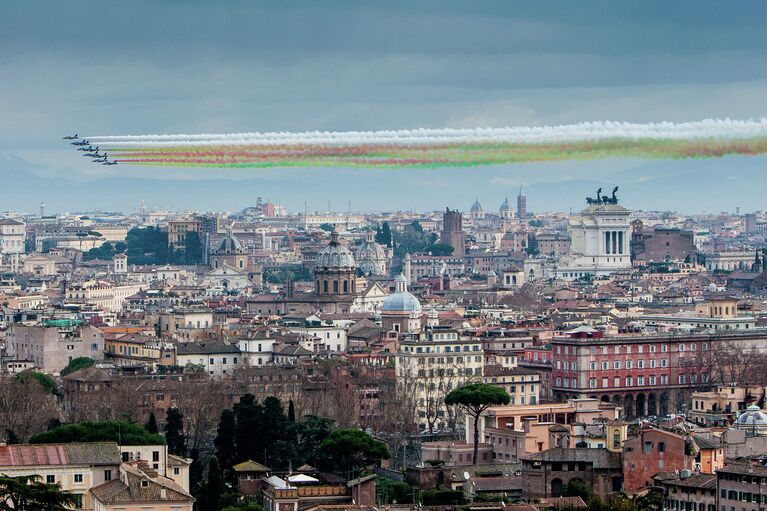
column 440, row 249
column 226, row 451
column 147, row 245
column 45, row 381
column 353, row 449
column 244, row 506
column 151, row 424
column 327, row 227
column 215, row 486
column 174, row 432
column 383, row 235
column 291, row 411
column 412, row 239
column 192, row 248
column 28, row 492
column 76, row 364
column 123, row 433
column 26, row 407
column 247, row 432
column 578, row 488
column 475, row 398
column 309, row 435
column 195, row 470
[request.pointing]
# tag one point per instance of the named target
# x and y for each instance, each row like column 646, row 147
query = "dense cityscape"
column 432, row 255
column 457, row 357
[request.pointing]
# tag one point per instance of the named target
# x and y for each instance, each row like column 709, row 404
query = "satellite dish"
column 466, row 476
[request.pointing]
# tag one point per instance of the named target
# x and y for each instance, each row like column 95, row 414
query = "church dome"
column 752, row 417
column 402, row 300
column 371, row 257
column 505, row 205
column 334, row 256
column 476, row 207
column 229, row 245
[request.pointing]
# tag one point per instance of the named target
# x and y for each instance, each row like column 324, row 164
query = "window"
column 661, row 446
column 107, row 475
column 155, row 455
column 50, row 479
column 78, row 478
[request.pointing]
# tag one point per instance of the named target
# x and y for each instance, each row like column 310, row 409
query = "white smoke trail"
column 588, row 131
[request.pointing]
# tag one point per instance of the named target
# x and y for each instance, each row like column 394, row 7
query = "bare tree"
column 25, row 407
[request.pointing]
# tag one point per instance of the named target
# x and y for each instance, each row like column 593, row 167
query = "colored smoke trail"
column 442, row 147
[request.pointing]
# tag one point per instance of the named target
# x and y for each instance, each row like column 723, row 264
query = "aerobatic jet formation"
column 90, row 150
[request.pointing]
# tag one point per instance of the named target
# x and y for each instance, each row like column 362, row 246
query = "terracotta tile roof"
column 138, row 486
column 96, row 453
column 251, row 466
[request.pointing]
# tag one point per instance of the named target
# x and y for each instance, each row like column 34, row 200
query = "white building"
column 105, row 295
column 215, row 358
column 600, row 237
column 429, row 366
column 12, row 236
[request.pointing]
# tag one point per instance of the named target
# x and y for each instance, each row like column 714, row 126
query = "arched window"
column 346, row 286
column 325, row 286
column 241, row 263
column 318, row 287
column 335, row 286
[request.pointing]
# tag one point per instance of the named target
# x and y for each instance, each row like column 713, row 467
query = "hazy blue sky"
column 168, row 66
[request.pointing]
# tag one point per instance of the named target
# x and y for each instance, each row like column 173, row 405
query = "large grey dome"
column 402, row 300
column 476, row 207
column 334, row 256
column 229, row 245
column 753, row 416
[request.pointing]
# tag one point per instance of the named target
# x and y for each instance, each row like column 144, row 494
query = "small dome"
column 402, row 300
column 476, row 206
column 229, row 245
column 334, row 255
column 505, row 205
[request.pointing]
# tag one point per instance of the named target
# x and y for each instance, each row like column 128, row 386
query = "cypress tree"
column 151, row 424
column 174, row 432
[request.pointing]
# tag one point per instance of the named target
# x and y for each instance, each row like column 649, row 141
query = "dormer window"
column 144, row 483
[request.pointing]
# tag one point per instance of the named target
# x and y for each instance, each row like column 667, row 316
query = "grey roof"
column 294, row 350
column 497, row 483
column 205, row 348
